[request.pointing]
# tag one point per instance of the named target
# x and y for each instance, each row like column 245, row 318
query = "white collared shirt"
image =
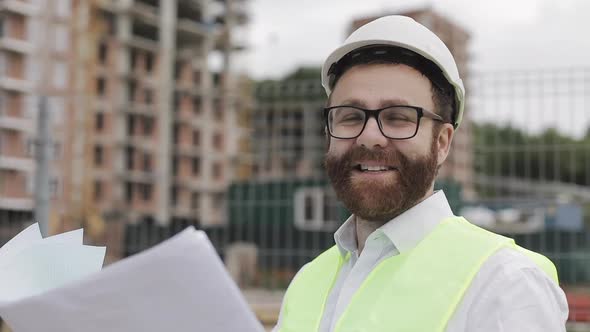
column 509, row 293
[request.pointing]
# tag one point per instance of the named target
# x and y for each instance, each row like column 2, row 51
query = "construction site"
column 142, row 129
column 126, row 118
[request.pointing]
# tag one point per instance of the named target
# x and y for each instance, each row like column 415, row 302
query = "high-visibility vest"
column 417, row 290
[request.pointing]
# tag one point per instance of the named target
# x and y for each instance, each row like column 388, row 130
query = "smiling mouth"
column 374, row 168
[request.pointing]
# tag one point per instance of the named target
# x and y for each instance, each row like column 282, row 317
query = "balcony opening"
column 190, row 11
column 197, row 78
column 98, row 155
column 130, row 125
column 129, row 192
column 148, row 96
column 133, row 54
column 196, row 166
column 101, row 86
column 195, row 198
column 109, row 22
column 147, row 163
column 148, row 126
column 129, row 156
column 218, row 109
column 99, row 122
column 176, row 134
column 177, row 69
column 146, row 191
column 132, row 90
column 197, row 105
column 149, row 62
column 103, row 52
column 218, row 201
column 218, row 141
column 98, row 190
column 196, row 138
column 152, row 3
column 217, row 171
column 143, row 30
column 174, row 196
column 175, row 165
column 176, row 101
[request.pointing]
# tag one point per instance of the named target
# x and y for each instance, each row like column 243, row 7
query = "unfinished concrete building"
column 16, row 165
column 288, row 137
column 149, row 139
column 30, row 67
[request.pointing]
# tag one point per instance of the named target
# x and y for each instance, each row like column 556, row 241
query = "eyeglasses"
column 395, row 122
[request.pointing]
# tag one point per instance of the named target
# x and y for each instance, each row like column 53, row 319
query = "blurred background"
column 137, row 118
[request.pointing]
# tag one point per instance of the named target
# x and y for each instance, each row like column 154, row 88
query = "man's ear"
column 444, row 140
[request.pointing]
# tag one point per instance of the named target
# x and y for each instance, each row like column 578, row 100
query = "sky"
column 505, row 34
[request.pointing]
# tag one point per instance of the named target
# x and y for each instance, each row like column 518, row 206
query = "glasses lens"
column 346, row 122
column 399, row 122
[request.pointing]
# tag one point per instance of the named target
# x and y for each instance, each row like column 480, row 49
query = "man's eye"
column 352, row 117
column 396, row 118
column 350, row 120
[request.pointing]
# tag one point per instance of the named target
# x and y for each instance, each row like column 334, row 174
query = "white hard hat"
column 403, row 32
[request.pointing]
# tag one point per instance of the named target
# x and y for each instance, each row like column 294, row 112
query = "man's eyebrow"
column 382, row 102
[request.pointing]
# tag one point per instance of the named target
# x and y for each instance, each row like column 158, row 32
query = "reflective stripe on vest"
column 418, row 290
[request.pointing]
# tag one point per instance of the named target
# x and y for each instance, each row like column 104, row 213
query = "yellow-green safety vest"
column 417, row 290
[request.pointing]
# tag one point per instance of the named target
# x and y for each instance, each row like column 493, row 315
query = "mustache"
column 356, row 154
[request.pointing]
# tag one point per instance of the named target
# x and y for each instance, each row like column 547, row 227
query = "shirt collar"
column 404, row 231
column 345, row 236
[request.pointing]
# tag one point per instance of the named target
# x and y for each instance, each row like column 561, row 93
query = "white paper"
column 72, row 237
column 31, row 236
column 45, row 266
column 31, row 264
column 28, row 237
column 178, row 285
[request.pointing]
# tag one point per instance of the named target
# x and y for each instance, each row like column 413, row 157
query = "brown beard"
column 381, row 201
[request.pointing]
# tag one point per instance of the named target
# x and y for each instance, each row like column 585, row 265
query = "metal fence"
column 532, row 163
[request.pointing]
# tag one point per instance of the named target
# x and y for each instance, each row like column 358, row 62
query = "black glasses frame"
column 375, row 114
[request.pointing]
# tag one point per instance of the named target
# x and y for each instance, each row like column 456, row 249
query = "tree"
column 509, row 152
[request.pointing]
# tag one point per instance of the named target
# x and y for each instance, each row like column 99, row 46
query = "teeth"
column 374, row 168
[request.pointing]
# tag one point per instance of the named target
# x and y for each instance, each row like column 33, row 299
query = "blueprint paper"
column 31, row 236
column 28, row 237
column 39, row 268
column 72, row 237
column 31, row 264
column 178, row 285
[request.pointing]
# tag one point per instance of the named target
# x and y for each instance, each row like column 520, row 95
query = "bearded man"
column 403, row 261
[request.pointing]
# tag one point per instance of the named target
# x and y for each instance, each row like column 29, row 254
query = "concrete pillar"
column 81, row 102
column 167, row 39
column 123, row 33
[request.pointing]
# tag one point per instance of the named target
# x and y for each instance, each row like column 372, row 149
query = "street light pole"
column 43, row 139
column 42, row 162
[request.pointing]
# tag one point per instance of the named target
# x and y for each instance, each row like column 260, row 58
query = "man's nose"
column 371, row 136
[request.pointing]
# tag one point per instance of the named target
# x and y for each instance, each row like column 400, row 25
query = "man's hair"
column 443, row 93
